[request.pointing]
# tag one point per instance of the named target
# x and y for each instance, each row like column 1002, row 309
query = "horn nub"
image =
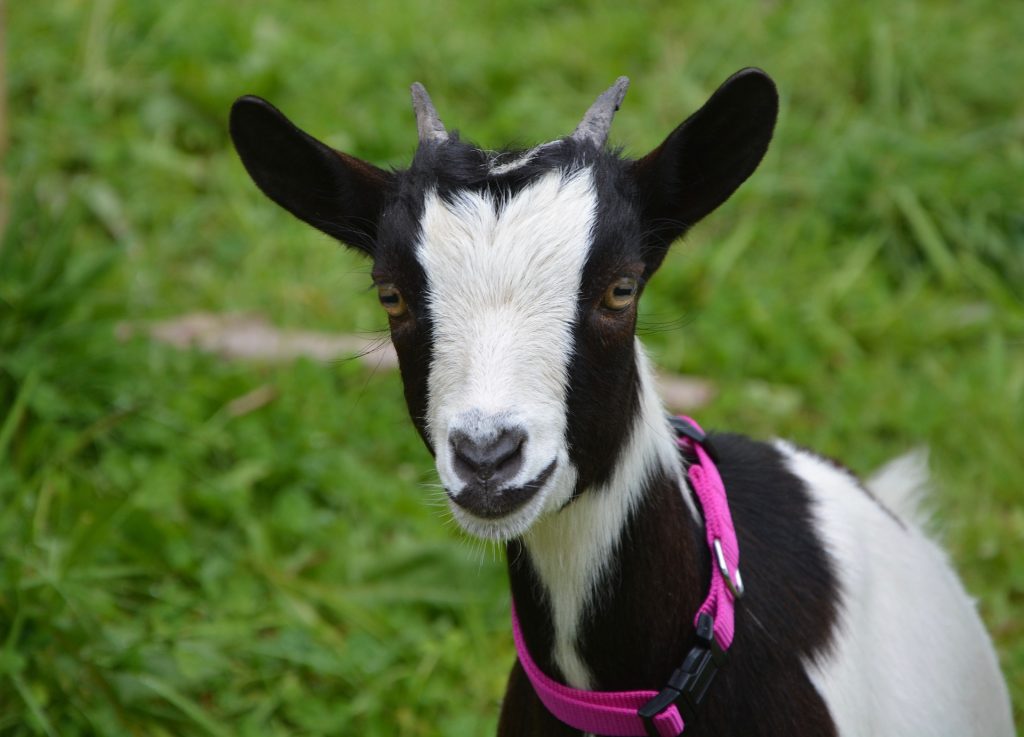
column 598, row 119
column 428, row 124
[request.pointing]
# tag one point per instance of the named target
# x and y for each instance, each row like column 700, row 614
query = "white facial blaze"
column 503, row 281
column 503, row 287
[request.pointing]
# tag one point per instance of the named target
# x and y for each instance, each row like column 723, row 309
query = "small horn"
column 429, row 126
column 598, row 120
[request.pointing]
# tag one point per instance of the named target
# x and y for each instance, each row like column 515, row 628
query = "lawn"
column 196, row 546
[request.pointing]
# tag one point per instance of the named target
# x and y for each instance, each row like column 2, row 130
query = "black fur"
column 643, row 627
column 604, row 361
column 644, row 205
column 395, row 263
column 707, row 157
column 332, row 191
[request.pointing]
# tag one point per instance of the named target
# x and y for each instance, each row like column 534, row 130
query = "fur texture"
column 509, row 344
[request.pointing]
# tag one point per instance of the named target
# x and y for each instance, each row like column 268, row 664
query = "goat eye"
column 392, row 300
column 620, row 293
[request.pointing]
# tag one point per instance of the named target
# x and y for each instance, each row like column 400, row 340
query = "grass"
column 171, row 565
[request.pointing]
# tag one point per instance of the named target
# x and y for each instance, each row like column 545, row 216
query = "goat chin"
column 511, row 281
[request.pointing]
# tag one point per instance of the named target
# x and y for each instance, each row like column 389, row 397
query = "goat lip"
column 482, row 501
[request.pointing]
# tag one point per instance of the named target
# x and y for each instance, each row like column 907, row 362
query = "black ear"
column 709, row 155
column 337, row 193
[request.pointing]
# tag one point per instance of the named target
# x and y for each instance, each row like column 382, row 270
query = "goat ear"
column 332, row 191
column 709, row 155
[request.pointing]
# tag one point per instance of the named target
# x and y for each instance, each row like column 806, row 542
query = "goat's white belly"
column 911, row 656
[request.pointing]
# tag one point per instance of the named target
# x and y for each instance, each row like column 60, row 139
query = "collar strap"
column 662, row 713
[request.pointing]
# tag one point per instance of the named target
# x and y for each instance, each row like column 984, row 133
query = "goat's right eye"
column 392, row 300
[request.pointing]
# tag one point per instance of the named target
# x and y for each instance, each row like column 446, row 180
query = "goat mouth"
column 485, row 502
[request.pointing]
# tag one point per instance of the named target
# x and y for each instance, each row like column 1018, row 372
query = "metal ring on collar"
column 733, row 580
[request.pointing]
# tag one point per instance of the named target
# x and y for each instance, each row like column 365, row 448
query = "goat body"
column 511, row 282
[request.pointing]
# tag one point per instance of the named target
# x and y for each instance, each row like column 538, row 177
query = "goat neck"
column 618, row 545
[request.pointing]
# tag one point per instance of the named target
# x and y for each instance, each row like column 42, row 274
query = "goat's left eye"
column 392, row 300
column 620, row 293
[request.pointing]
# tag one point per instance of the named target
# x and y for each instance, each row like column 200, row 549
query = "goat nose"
column 494, row 461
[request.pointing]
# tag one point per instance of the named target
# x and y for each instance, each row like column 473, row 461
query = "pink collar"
column 657, row 713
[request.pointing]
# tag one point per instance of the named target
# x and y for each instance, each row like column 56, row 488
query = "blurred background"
column 215, row 521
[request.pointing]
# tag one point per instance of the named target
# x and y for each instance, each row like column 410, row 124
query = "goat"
column 511, row 281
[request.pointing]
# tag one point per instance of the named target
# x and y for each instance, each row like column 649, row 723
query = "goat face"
column 511, row 280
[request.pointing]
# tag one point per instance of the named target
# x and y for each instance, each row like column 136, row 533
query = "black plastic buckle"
column 686, row 430
column 689, row 683
column 682, row 427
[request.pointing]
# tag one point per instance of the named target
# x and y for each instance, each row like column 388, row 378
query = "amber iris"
column 392, row 300
column 620, row 294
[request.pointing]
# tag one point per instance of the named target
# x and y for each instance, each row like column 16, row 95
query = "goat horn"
column 598, row 119
column 428, row 124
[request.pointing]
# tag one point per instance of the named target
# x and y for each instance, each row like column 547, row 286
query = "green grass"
column 171, row 567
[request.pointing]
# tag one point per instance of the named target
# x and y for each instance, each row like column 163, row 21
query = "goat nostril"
column 509, row 446
column 496, row 459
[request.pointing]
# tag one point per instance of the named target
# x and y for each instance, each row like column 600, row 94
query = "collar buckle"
column 688, row 433
column 686, row 429
column 688, row 685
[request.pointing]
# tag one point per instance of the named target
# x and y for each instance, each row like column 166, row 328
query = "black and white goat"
column 511, row 282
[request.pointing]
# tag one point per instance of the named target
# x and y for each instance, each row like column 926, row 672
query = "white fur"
column 497, row 169
column 503, row 285
column 910, row 655
column 902, row 485
column 593, row 524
